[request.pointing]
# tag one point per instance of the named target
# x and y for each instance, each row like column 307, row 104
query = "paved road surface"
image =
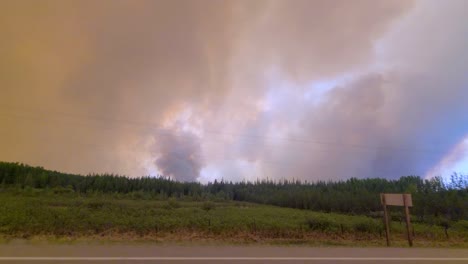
column 118, row 254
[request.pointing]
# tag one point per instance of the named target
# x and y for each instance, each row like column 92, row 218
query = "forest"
column 435, row 200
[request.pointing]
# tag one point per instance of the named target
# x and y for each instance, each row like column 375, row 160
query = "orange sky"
column 206, row 89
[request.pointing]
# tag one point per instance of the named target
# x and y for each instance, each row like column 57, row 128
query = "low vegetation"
column 33, row 213
column 434, row 200
column 35, row 202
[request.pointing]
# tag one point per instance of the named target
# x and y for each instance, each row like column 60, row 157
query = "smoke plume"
column 207, row 89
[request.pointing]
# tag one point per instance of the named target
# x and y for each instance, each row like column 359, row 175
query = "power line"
column 162, row 130
column 287, row 165
column 222, row 154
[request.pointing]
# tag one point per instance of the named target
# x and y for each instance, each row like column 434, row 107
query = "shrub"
column 321, row 223
column 172, row 204
column 443, row 222
column 62, row 190
column 95, row 205
column 207, row 206
column 461, row 225
column 366, row 226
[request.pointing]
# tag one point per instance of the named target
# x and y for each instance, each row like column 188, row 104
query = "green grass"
column 34, row 214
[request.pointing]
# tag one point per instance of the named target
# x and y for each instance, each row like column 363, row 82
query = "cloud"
column 399, row 118
column 320, row 39
column 235, row 82
column 177, row 154
column 454, row 160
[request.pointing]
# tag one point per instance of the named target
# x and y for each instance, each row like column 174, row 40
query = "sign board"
column 396, row 199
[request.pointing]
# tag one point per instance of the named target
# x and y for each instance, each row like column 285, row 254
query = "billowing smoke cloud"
column 400, row 118
column 178, row 154
column 239, row 84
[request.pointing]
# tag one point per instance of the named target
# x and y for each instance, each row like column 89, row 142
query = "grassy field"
column 44, row 214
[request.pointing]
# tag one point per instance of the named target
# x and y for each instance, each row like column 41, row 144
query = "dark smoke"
column 178, row 155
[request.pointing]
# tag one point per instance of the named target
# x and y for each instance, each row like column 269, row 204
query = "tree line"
column 432, row 198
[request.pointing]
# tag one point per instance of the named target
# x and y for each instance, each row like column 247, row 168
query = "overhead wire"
column 156, row 128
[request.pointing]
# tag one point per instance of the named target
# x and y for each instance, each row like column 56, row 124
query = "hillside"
column 35, row 202
column 36, row 214
column 434, row 201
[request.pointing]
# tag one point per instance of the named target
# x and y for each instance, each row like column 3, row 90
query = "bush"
column 207, row 206
column 172, row 204
column 321, row 223
column 461, row 225
column 95, row 205
column 62, row 190
column 443, row 222
column 367, row 226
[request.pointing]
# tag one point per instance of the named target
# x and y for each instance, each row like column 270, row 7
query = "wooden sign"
column 397, row 199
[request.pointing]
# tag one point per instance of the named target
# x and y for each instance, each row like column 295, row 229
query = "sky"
column 236, row 90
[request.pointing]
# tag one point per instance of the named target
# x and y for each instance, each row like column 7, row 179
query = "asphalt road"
column 10, row 253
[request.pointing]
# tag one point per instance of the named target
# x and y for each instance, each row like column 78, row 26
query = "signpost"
column 397, row 199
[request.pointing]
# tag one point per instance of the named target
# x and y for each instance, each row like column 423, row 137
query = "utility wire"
column 158, row 129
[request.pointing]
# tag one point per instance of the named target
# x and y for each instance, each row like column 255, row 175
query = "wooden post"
column 387, row 226
column 408, row 223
